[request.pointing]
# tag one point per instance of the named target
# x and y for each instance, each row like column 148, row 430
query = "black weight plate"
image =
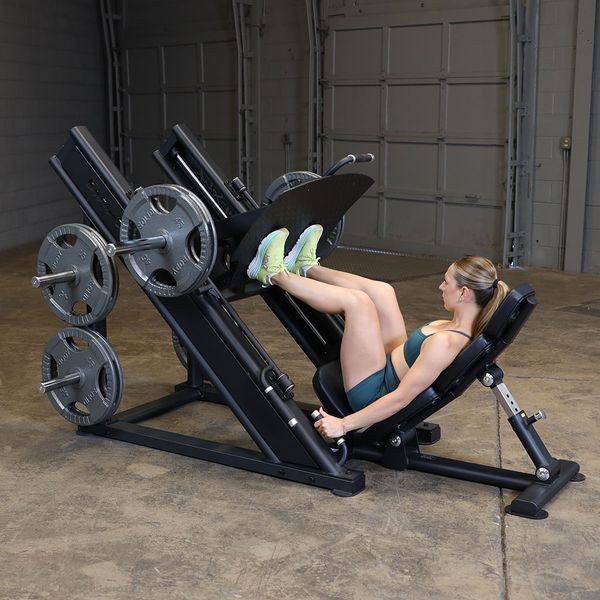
column 187, row 260
column 113, row 264
column 93, row 293
column 285, row 182
column 329, row 244
column 98, row 394
column 180, row 351
column 211, row 248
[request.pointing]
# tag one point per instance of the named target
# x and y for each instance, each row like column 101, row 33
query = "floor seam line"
column 545, row 377
column 504, row 593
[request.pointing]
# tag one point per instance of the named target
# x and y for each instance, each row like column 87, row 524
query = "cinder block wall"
column 51, row 78
column 558, row 21
column 558, row 36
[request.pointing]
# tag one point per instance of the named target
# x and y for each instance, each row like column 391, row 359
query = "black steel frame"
column 220, row 348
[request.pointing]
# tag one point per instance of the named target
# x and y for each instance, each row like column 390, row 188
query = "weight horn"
column 155, row 243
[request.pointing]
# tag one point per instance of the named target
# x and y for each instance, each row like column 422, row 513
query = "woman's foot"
column 268, row 261
column 303, row 255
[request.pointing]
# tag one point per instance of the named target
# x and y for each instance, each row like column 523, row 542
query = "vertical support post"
column 245, row 107
column 314, row 87
column 113, row 83
column 109, row 80
column 582, row 97
column 525, row 183
column 511, row 122
column 521, row 119
column 240, row 84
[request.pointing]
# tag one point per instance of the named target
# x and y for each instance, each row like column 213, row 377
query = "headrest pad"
column 512, row 313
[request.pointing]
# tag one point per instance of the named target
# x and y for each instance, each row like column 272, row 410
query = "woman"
column 383, row 368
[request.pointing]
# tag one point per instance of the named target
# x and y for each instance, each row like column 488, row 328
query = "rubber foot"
column 342, row 493
column 539, row 515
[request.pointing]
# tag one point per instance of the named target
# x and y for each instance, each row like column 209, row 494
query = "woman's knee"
column 384, row 294
column 359, row 301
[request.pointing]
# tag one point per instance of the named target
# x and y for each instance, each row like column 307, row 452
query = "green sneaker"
column 303, row 255
column 269, row 257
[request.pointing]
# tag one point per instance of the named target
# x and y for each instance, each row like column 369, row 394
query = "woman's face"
column 451, row 292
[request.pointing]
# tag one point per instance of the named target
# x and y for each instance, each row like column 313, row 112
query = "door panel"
column 180, row 79
column 427, row 93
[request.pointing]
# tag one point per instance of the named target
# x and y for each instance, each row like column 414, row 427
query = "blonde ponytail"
column 479, row 274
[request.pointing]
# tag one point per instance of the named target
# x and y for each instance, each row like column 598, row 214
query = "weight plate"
column 329, row 244
column 114, row 265
column 189, row 256
column 286, row 182
column 93, row 293
column 180, row 351
column 97, row 395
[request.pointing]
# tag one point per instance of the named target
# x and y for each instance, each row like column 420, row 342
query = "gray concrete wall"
column 51, row 78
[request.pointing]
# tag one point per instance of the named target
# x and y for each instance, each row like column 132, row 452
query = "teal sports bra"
column 412, row 346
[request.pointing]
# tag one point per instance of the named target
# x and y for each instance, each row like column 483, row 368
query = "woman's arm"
column 436, row 354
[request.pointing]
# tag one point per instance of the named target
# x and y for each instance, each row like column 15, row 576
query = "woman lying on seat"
column 383, row 368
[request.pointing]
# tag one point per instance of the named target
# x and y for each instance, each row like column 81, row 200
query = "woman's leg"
column 382, row 294
column 362, row 351
column 302, row 260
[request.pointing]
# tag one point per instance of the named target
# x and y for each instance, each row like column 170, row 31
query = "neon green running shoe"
column 269, row 257
column 303, row 255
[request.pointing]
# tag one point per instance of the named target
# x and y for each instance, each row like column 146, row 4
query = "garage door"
column 175, row 80
column 428, row 95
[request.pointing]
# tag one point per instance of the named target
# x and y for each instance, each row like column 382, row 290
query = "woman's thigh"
column 383, row 295
column 362, row 352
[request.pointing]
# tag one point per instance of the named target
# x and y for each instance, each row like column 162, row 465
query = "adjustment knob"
column 538, row 416
column 487, row 379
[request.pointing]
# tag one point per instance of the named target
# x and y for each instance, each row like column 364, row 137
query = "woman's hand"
column 330, row 427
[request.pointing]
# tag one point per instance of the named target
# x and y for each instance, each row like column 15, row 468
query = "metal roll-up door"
column 427, row 94
column 178, row 79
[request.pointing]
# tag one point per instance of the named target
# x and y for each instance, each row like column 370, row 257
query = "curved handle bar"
column 351, row 158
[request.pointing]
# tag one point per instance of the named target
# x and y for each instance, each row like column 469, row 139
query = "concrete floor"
column 86, row 517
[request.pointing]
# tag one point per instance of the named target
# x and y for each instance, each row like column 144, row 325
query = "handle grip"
column 364, row 157
column 315, row 415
